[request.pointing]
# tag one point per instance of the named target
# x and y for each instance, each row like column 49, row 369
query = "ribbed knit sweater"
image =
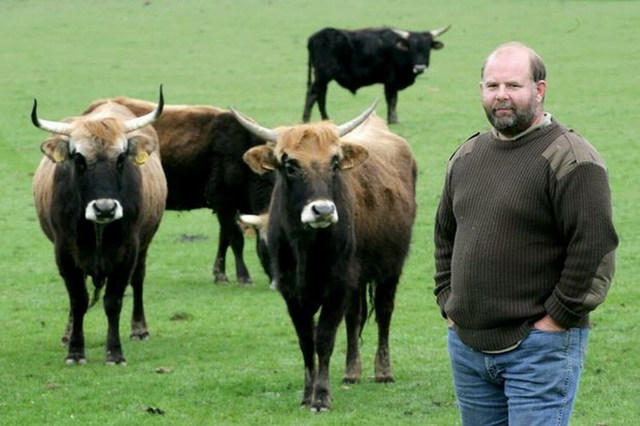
column 523, row 229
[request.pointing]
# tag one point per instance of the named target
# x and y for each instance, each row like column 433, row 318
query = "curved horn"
column 49, row 126
column 137, row 123
column 345, row 128
column 261, row 132
column 438, row 33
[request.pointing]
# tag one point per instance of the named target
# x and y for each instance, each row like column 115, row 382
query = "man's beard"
column 512, row 124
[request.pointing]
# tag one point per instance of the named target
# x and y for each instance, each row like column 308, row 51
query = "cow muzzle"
column 419, row 69
column 103, row 210
column 319, row 214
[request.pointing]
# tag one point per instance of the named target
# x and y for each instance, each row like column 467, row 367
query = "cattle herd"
column 334, row 205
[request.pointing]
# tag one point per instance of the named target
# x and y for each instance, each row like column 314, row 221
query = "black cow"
column 100, row 194
column 364, row 57
column 201, row 149
column 339, row 228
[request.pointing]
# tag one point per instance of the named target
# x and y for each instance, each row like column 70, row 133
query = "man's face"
column 511, row 99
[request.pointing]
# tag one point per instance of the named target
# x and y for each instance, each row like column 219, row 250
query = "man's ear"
column 260, row 158
column 353, row 155
column 56, row 148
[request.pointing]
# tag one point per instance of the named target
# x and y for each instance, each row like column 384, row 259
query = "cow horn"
column 345, row 128
column 438, row 33
column 49, row 126
column 137, row 123
column 261, row 132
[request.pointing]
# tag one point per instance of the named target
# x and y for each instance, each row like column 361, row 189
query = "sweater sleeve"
column 582, row 200
column 444, row 235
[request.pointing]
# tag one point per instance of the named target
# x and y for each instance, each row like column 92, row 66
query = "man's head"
column 513, row 88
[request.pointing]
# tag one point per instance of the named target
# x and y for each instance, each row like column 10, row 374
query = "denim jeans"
column 534, row 384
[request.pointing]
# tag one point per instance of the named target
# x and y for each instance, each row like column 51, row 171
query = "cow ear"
column 437, row 45
column 56, row 148
column 260, row 158
column 352, row 155
column 140, row 147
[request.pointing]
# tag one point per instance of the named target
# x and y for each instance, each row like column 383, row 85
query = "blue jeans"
column 534, row 384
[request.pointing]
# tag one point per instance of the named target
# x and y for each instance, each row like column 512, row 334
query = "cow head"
column 309, row 160
column 412, row 49
column 99, row 153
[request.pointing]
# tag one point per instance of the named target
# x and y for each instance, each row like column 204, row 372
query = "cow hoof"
column 350, row 380
column 220, row 279
column 139, row 336
column 245, row 282
column 75, row 360
column 384, row 379
column 115, row 359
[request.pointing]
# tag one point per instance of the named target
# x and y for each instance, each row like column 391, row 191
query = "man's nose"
column 502, row 92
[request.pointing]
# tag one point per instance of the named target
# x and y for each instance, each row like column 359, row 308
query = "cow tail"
column 366, row 311
column 98, row 285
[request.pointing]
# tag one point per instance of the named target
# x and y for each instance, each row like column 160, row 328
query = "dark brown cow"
column 100, row 194
column 202, row 150
column 340, row 220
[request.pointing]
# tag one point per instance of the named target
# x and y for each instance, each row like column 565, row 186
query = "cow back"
column 384, row 195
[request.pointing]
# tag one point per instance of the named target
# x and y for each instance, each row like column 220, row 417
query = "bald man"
column 524, row 251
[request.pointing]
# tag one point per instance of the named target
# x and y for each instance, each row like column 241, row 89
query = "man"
column 524, row 250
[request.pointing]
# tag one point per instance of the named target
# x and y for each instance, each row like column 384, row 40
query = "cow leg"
column 384, row 300
column 391, row 95
column 322, row 99
column 67, row 330
column 353, row 318
column 116, row 285
column 330, row 317
column 230, row 234
column 303, row 324
column 316, row 92
column 309, row 101
column 139, row 329
column 74, row 280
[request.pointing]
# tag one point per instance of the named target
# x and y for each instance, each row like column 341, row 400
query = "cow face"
column 99, row 168
column 98, row 154
column 309, row 160
column 412, row 49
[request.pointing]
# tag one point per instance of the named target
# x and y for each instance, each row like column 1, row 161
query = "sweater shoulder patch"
column 569, row 151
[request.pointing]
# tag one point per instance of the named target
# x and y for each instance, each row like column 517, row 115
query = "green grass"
column 230, row 353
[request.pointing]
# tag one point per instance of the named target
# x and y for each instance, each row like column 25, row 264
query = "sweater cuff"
column 559, row 312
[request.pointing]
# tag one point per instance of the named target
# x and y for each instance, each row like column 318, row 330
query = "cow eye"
column 335, row 164
column 80, row 162
column 290, row 169
column 121, row 159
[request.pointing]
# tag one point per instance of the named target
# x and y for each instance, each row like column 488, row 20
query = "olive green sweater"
column 523, row 229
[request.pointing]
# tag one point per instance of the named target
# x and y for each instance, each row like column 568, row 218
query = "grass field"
column 228, row 354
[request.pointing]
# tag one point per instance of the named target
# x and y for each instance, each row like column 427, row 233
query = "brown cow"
column 340, row 220
column 201, row 149
column 100, row 194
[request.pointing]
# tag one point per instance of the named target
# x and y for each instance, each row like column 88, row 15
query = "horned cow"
column 340, row 223
column 100, row 195
column 201, row 149
column 358, row 58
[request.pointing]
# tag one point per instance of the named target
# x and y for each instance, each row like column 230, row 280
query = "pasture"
column 228, row 354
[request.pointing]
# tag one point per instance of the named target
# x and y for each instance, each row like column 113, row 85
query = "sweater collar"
column 546, row 121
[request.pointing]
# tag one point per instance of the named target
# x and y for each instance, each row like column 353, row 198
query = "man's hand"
column 546, row 323
column 450, row 323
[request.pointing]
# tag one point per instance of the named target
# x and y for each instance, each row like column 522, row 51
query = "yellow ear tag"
column 141, row 158
column 58, row 157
